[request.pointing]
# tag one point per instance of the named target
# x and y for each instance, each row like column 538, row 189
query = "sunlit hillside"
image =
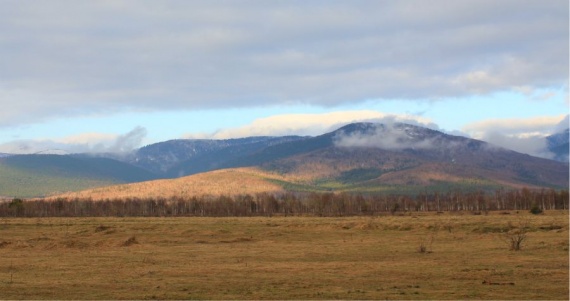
column 222, row 182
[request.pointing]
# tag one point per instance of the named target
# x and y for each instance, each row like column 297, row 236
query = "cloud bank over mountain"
column 388, row 136
column 310, row 124
column 84, row 143
column 523, row 135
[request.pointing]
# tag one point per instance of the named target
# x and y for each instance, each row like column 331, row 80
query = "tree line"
column 289, row 204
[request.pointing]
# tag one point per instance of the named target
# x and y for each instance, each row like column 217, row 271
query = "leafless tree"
column 516, row 235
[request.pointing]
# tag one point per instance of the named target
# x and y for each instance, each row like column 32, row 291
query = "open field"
column 284, row 257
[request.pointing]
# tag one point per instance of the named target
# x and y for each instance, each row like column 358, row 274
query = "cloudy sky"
column 114, row 75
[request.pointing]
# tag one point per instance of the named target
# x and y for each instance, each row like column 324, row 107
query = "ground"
column 464, row 256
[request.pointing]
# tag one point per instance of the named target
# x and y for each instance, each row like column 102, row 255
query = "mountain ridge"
column 169, row 158
column 460, row 156
column 358, row 157
column 382, row 159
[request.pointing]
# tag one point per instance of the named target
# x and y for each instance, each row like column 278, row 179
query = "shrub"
column 515, row 237
column 427, row 241
column 535, row 209
column 17, row 207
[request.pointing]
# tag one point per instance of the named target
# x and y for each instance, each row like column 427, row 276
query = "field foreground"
column 464, row 257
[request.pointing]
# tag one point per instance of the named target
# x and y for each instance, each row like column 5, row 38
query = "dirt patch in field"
column 101, row 228
column 237, row 240
column 67, row 244
column 130, row 241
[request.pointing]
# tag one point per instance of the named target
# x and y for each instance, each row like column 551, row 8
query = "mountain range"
column 360, row 157
column 176, row 158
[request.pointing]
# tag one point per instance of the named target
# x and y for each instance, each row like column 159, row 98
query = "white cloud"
column 528, row 143
column 542, row 125
column 310, row 124
column 522, row 135
column 388, row 136
column 129, row 141
column 69, row 58
column 88, row 138
column 81, row 143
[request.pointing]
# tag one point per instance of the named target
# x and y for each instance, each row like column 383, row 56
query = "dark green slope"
column 234, row 157
column 249, row 152
column 41, row 175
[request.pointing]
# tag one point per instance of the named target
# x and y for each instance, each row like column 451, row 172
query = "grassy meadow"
column 464, row 257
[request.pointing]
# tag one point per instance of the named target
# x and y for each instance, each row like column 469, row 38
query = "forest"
column 291, row 204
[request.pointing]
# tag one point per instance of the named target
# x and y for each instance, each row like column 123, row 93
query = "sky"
column 94, row 76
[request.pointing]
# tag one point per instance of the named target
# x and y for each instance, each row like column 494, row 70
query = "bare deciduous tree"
column 516, row 236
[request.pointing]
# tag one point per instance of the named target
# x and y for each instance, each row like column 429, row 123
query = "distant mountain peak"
column 359, row 127
column 390, row 136
column 370, row 127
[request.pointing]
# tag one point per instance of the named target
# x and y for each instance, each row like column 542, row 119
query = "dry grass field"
column 285, row 258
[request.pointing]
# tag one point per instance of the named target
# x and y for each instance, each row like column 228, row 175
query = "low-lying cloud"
column 532, row 144
column 82, row 143
column 311, row 124
column 523, row 135
column 388, row 136
column 129, row 141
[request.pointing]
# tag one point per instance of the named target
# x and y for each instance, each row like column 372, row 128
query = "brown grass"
column 221, row 182
column 283, row 258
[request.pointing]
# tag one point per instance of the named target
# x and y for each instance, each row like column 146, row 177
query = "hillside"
column 228, row 182
column 41, row 175
column 361, row 158
column 369, row 156
column 176, row 158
